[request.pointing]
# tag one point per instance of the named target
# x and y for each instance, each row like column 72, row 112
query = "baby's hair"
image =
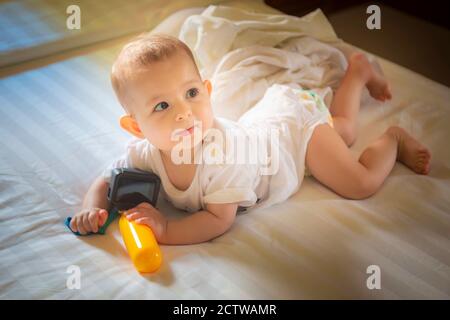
column 139, row 54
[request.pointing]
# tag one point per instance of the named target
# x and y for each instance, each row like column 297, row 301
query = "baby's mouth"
column 186, row 132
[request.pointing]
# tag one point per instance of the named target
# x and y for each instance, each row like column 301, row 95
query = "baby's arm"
column 96, row 197
column 198, row 227
column 201, row 226
column 93, row 213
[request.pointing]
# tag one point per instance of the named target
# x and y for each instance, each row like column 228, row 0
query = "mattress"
column 59, row 129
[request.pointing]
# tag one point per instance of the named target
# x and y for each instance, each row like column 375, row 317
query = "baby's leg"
column 347, row 100
column 330, row 161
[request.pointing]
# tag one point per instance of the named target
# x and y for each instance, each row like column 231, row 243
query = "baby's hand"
column 88, row 220
column 145, row 213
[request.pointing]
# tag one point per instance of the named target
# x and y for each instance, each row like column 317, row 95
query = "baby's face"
column 168, row 97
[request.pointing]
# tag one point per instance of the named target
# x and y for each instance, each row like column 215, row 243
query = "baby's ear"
column 130, row 125
column 208, row 86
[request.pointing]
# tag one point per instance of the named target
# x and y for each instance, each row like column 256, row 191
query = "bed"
column 59, row 129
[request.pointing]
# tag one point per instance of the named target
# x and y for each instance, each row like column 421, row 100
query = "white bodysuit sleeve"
column 231, row 183
column 136, row 156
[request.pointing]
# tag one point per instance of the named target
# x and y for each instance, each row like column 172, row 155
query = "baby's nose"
column 187, row 113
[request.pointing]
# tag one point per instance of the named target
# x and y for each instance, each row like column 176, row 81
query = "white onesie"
column 293, row 112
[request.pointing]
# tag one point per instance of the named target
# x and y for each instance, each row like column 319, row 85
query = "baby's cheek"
column 152, row 134
column 160, row 140
column 206, row 116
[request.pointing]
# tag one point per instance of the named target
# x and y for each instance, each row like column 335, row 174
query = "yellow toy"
column 141, row 245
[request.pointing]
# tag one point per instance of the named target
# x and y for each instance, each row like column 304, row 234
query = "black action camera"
column 129, row 187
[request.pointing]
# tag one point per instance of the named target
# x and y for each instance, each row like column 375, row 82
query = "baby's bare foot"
column 375, row 81
column 411, row 152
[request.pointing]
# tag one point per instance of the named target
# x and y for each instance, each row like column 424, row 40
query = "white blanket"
column 244, row 53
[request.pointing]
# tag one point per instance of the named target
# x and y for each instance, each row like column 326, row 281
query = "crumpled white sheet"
column 244, row 53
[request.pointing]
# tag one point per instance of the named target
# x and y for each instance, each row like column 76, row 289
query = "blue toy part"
column 111, row 216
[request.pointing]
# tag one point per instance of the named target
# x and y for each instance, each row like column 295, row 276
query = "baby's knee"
column 363, row 187
column 346, row 130
column 349, row 135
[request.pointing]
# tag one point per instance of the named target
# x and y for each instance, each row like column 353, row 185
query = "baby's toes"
column 382, row 95
column 424, row 154
column 419, row 168
column 387, row 92
column 425, row 168
column 427, row 163
column 423, row 163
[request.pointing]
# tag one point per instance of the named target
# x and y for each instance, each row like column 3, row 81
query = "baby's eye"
column 192, row 92
column 161, row 106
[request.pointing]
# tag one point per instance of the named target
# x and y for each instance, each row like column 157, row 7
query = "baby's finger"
column 93, row 220
column 73, row 224
column 132, row 210
column 145, row 220
column 86, row 224
column 80, row 226
column 103, row 216
column 141, row 208
column 135, row 215
column 144, row 205
column 129, row 211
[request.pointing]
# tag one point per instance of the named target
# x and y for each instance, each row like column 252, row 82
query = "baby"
column 159, row 86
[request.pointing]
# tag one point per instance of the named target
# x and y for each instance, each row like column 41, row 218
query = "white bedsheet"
column 59, row 128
